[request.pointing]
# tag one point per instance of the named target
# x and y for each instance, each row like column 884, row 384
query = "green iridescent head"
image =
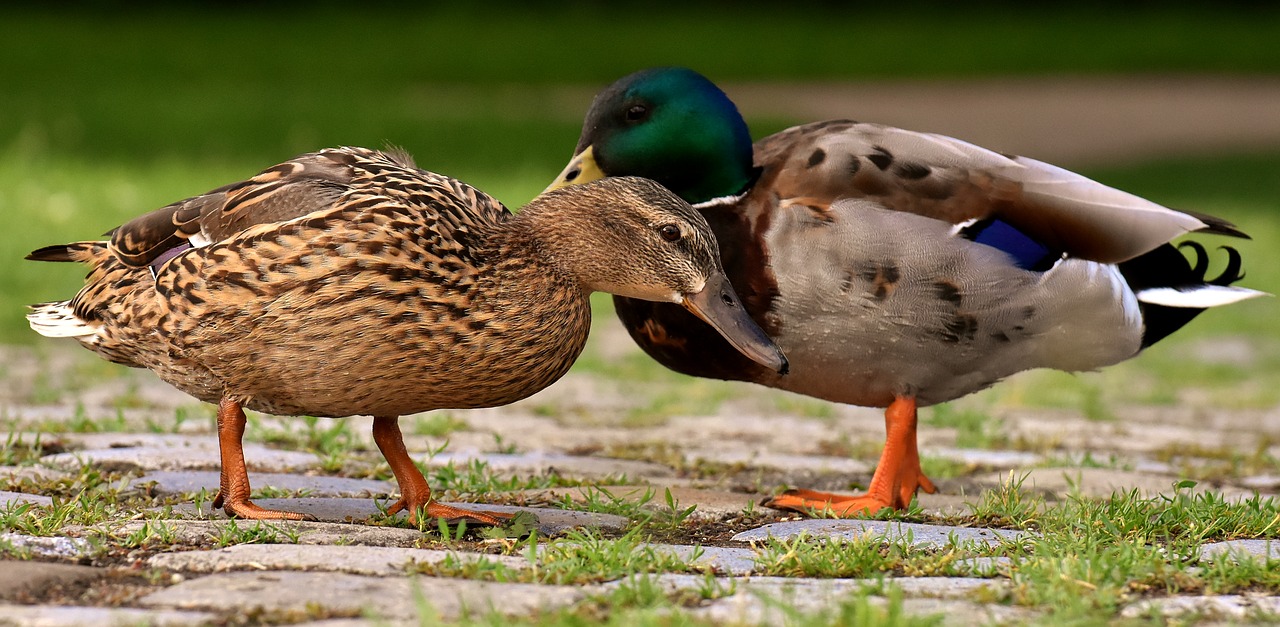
column 671, row 125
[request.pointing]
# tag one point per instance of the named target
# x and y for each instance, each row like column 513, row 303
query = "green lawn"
column 259, row 83
column 107, row 114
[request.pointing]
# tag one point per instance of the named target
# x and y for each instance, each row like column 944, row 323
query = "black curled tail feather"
column 1232, row 273
column 1167, row 267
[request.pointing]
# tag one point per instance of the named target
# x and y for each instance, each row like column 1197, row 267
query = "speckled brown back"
column 361, row 285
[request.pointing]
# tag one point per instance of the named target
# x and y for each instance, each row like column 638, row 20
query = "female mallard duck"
column 347, row 281
column 895, row 268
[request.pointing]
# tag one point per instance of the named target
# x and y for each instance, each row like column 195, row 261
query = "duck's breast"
column 326, row 323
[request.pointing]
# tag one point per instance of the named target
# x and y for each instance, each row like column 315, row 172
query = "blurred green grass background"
column 111, row 111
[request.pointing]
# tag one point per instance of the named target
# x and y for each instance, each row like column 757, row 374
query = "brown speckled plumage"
column 348, row 281
column 316, row 264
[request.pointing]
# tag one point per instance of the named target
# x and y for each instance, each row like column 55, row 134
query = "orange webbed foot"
column 450, row 514
column 845, row 505
column 233, row 481
column 415, row 493
column 822, row 504
column 894, row 484
column 248, row 510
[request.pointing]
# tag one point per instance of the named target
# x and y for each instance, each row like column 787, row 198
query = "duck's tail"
column 82, row 252
column 67, row 318
column 57, row 319
column 1171, row 291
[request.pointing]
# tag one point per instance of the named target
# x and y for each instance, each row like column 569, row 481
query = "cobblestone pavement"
column 346, row 567
column 713, row 446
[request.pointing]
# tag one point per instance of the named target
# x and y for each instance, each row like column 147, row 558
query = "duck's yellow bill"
column 718, row 305
column 581, row 169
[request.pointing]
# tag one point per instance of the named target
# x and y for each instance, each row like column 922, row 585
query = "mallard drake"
column 895, row 268
column 348, row 281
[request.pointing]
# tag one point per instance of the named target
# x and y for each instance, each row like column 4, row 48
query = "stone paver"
column 542, row 463
column 353, row 559
column 759, row 433
column 389, row 597
column 1266, row 483
column 201, row 454
column 14, row 475
column 982, row 458
column 754, row 609
column 13, row 499
column 931, row 587
column 741, row 561
column 985, row 566
column 920, row 535
column 361, row 622
column 127, row 439
column 206, row 532
column 182, row 482
column 550, row 521
column 947, row 505
column 814, row 464
column 70, row 616
column 47, row 546
column 1262, row 550
column 753, row 600
column 22, row 579
column 1138, row 434
column 960, row 613
column 1152, row 467
column 347, row 510
column 711, row 504
column 1227, row 606
column 1097, row 482
column 723, row 560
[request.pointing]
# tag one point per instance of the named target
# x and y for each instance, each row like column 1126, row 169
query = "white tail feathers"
column 1198, row 297
column 57, row 320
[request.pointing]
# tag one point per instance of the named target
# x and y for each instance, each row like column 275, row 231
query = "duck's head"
column 668, row 124
column 632, row 237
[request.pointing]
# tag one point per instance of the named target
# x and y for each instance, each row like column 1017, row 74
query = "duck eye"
column 637, row 112
column 669, row 232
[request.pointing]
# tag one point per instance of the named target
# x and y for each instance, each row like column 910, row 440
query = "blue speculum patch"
column 1027, row 253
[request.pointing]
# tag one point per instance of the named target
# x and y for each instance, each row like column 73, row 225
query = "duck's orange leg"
column 894, row 483
column 233, row 484
column 414, row 491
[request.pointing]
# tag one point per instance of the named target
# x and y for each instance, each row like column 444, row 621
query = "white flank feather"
column 57, row 320
column 1200, row 297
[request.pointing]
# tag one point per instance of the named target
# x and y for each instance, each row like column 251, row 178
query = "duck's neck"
column 543, row 309
column 532, row 242
column 559, row 242
column 720, row 182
